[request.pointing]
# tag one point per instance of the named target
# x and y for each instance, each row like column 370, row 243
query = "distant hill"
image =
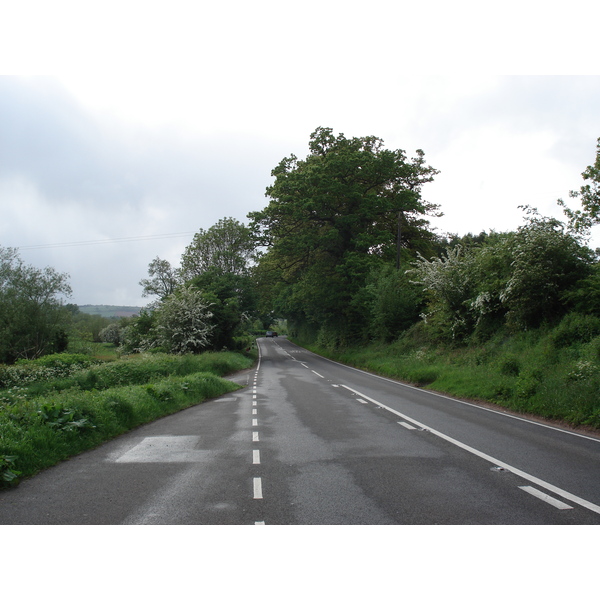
column 110, row 311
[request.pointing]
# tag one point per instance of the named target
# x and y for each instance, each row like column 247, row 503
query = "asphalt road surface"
column 310, row 441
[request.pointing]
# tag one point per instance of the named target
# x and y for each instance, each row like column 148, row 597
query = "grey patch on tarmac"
column 166, row 449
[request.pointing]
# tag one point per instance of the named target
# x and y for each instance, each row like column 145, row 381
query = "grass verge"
column 532, row 373
column 47, row 419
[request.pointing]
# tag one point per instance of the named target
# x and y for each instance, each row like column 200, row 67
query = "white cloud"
column 158, row 118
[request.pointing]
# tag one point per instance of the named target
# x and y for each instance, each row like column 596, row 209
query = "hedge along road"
column 310, row 441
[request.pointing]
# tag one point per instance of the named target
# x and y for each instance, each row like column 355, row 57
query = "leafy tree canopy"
column 335, row 215
column 589, row 194
column 224, row 248
column 163, row 280
column 32, row 316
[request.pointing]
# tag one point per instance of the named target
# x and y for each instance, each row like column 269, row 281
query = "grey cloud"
column 50, row 141
column 565, row 105
column 102, row 180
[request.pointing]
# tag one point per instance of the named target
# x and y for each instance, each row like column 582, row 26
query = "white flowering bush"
column 520, row 279
column 546, row 263
column 584, row 370
column 55, row 366
column 183, row 322
column 449, row 284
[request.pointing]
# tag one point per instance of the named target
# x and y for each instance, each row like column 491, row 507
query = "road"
column 310, row 441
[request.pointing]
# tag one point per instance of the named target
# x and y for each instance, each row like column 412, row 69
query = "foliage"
column 519, row 279
column 50, row 367
column 163, row 281
column 331, row 219
column 111, row 334
column 215, row 273
column 140, row 335
column 225, row 248
column 546, row 263
column 449, row 283
column 589, row 195
column 392, row 302
column 32, row 316
column 183, row 321
column 58, row 419
column 8, row 474
column 84, row 328
column 233, row 302
column 537, row 372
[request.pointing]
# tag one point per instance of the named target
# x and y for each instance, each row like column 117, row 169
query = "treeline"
column 350, row 255
column 345, row 252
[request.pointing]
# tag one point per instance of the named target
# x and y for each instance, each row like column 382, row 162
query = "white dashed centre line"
column 255, row 436
column 258, row 495
column 256, row 457
column 254, row 422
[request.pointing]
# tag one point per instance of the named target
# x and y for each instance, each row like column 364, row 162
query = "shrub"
column 510, row 365
column 8, row 474
column 575, row 328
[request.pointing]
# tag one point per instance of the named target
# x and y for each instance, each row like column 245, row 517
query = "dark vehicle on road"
column 271, row 334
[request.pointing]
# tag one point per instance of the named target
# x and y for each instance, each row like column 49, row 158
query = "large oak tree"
column 348, row 206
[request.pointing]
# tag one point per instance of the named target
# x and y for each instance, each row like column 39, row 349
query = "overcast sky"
column 125, row 127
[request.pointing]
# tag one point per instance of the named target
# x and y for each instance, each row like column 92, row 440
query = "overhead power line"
column 139, row 238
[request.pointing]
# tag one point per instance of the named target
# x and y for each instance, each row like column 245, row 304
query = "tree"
column 547, row 263
column 164, row 279
column 183, row 322
column 589, row 194
column 392, row 301
column 226, row 247
column 32, row 316
column 333, row 217
column 233, row 303
column 216, row 268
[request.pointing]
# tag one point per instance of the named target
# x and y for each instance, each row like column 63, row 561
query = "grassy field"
column 553, row 373
column 60, row 405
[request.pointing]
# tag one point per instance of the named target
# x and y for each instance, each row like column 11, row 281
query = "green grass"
column 48, row 419
column 533, row 372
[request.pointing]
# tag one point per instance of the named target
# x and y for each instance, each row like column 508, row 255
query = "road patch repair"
column 166, row 449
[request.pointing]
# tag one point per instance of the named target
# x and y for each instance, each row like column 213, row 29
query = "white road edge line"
column 548, row 486
column 549, row 499
column 258, row 495
column 439, row 395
